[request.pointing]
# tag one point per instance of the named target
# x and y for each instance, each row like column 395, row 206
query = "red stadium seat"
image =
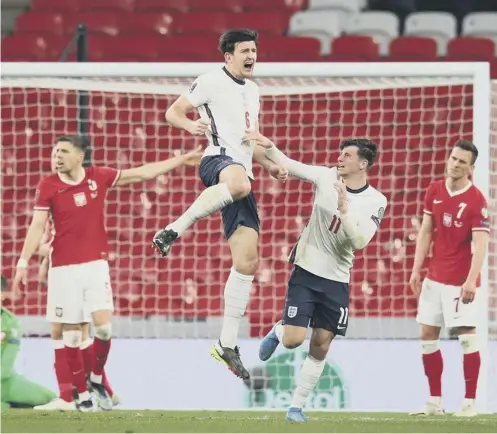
column 354, row 48
column 162, row 6
column 217, row 5
column 104, row 22
column 270, row 22
column 202, row 23
column 305, row 49
column 118, row 5
column 470, row 49
column 413, row 49
column 273, row 5
column 30, row 47
column 56, row 5
column 41, row 22
column 143, row 23
column 133, row 46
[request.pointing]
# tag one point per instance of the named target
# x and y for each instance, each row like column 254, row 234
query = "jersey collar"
column 359, row 190
column 230, row 75
column 457, row 192
column 69, row 182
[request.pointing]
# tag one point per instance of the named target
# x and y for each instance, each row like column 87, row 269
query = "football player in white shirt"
column 228, row 104
column 346, row 213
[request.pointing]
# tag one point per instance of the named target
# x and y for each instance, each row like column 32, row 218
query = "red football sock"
column 100, row 353
column 76, row 364
column 63, row 374
column 471, row 367
column 105, row 382
column 87, row 352
column 433, row 364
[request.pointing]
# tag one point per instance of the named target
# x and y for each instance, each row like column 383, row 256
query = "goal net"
column 414, row 119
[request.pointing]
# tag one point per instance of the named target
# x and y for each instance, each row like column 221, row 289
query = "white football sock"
column 236, row 297
column 309, row 376
column 212, row 199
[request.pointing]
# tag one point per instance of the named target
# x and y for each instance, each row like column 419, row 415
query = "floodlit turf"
column 29, row 421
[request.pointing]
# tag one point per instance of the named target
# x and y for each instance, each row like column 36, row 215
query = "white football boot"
column 432, row 408
column 58, row 404
column 468, row 409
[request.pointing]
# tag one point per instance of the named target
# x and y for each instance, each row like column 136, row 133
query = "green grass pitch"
column 28, row 421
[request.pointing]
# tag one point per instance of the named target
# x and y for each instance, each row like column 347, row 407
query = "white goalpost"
column 414, row 111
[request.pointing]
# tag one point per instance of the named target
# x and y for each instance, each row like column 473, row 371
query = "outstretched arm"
column 295, row 168
column 153, row 170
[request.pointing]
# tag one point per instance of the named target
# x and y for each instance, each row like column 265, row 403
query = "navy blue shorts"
column 316, row 302
column 240, row 213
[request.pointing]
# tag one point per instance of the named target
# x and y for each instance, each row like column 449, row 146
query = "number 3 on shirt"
column 335, row 224
column 247, row 120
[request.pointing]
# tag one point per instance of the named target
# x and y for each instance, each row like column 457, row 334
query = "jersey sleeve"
column 43, row 198
column 480, row 220
column 108, row 175
column 428, row 203
column 199, row 92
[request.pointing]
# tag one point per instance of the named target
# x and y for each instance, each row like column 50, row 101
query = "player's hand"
column 259, row 139
column 278, row 172
column 199, row 127
column 415, row 283
column 468, row 292
column 20, row 277
column 191, row 158
column 343, row 205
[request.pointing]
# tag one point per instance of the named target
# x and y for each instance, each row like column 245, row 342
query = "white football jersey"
column 323, row 248
column 232, row 106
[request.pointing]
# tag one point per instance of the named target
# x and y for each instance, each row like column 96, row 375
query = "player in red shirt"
column 79, row 288
column 63, row 372
column 456, row 220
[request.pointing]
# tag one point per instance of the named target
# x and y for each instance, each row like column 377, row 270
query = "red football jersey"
column 77, row 213
column 455, row 216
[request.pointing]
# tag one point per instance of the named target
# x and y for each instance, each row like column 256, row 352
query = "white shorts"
column 440, row 304
column 76, row 291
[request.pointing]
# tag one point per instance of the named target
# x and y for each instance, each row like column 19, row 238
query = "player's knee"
column 247, row 265
column 239, row 188
column 103, row 332
column 292, row 342
column 469, row 343
column 429, row 333
column 72, row 338
column 429, row 346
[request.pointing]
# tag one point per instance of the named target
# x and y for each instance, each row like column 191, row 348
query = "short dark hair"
column 466, row 145
column 366, row 149
column 77, row 141
column 229, row 39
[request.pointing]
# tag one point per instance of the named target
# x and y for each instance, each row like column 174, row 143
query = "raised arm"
column 153, row 170
column 295, row 168
column 31, row 243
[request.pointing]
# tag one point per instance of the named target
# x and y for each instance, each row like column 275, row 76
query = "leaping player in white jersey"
column 228, row 104
column 346, row 213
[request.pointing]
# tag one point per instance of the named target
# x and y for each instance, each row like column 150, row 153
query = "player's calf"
column 471, row 369
column 101, row 348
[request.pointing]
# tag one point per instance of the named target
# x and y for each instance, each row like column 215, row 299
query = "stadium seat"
column 217, row 5
column 413, row 49
column 275, row 5
column 344, row 8
column 56, row 5
column 146, row 23
column 163, row 6
column 381, row 26
column 354, row 48
column 117, row 5
column 470, row 49
column 306, row 49
column 271, row 22
column 481, row 24
column 440, row 26
column 322, row 25
column 41, row 22
column 28, row 47
column 202, row 23
column 101, row 22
